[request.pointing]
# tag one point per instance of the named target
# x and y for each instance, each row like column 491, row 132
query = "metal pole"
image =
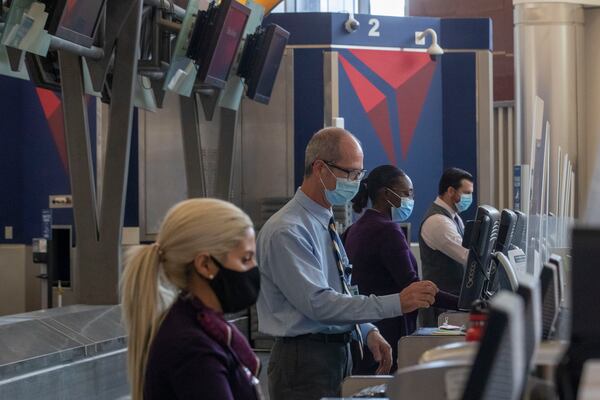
column 94, row 53
column 192, row 147
column 117, row 12
column 179, row 12
column 80, row 167
column 225, row 153
column 168, row 25
column 99, row 238
column 112, row 206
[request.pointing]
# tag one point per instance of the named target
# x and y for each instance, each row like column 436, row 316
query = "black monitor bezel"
column 497, row 327
column 258, row 68
column 478, row 264
column 38, row 75
column 506, row 231
column 549, row 281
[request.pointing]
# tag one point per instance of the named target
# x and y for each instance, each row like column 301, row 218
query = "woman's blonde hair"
column 189, row 228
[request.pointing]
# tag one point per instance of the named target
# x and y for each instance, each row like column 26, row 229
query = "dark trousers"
column 302, row 369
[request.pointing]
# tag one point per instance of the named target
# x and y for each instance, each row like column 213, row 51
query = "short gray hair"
column 324, row 145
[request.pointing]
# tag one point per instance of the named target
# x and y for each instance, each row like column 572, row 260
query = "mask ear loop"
column 330, row 171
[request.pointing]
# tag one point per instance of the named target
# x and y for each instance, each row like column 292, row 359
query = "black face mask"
column 235, row 290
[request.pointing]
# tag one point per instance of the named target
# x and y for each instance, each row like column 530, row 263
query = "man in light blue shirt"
column 304, row 301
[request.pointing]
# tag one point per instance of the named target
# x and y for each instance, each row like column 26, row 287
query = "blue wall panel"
column 460, row 109
column 308, row 103
column 10, row 159
column 31, row 168
column 42, row 168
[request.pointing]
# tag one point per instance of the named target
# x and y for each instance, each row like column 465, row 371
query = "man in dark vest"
column 443, row 258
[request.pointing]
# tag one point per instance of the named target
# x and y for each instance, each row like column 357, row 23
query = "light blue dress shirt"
column 300, row 283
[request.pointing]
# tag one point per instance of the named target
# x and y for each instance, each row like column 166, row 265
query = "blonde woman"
column 183, row 348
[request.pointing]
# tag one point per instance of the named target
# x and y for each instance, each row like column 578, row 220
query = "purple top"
column 382, row 260
column 188, row 359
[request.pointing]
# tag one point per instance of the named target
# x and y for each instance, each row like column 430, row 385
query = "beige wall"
column 12, row 279
column 590, row 145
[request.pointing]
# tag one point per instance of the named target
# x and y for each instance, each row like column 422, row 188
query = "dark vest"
column 437, row 267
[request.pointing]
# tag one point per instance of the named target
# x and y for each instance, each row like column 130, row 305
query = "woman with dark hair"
column 380, row 253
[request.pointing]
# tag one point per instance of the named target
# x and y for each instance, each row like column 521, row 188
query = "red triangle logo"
column 394, row 67
column 410, row 74
column 51, row 104
column 375, row 105
column 410, row 98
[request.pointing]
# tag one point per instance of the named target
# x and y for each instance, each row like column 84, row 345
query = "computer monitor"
column 529, row 291
column 519, row 239
column 261, row 59
column 215, row 40
column 550, row 300
column 502, row 276
column 585, row 307
column 562, row 282
column 499, row 369
column 44, row 72
column 502, row 273
column 74, row 20
column 483, row 241
column 508, row 221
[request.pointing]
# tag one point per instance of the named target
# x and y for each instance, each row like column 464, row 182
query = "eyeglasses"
column 351, row 174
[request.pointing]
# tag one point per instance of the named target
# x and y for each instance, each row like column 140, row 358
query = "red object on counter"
column 477, row 322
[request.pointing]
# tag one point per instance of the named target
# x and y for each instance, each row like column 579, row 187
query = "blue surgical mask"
column 465, row 202
column 344, row 191
column 401, row 213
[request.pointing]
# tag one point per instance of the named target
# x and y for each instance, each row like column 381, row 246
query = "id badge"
column 354, row 290
column 255, row 383
column 257, row 389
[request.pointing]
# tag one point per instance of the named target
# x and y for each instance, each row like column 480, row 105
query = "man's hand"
column 418, row 295
column 381, row 350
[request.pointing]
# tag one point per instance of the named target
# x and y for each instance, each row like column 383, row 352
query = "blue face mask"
column 344, row 191
column 401, row 213
column 465, row 202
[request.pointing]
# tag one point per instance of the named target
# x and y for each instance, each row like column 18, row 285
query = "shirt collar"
column 322, row 214
column 445, row 206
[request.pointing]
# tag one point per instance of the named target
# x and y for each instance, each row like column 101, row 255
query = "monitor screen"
column 562, row 283
column 227, row 44
column 483, row 240
column 499, row 370
column 508, row 221
column 519, row 235
column 44, row 72
column 215, row 40
column 261, row 61
column 82, row 16
column 74, row 20
column 549, row 284
column 529, row 290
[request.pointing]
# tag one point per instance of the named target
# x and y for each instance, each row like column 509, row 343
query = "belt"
column 318, row 337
